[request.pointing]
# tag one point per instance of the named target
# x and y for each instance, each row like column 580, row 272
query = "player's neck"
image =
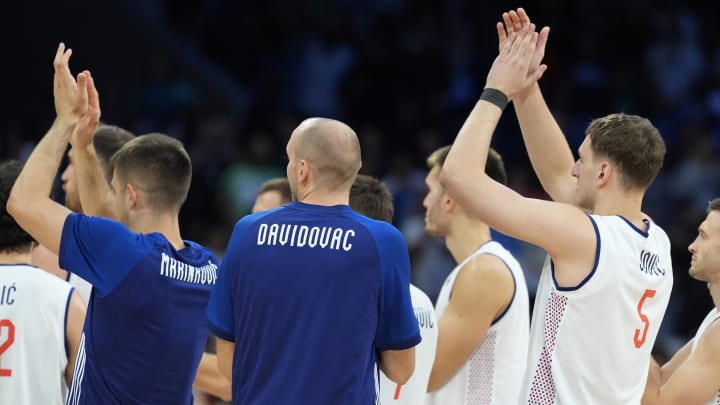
column 16, row 258
column 328, row 199
column 714, row 287
column 465, row 238
column 167, row 225
column 625, row 204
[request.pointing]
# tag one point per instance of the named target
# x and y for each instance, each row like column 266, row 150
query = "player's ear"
column 604, row 174
column 132, row 195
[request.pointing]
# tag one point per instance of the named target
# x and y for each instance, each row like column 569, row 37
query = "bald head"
column 331, row 148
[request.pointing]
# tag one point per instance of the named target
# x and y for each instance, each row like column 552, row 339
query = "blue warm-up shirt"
column 309, row 294
column 145, row 328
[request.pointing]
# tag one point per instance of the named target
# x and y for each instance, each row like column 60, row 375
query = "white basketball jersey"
column 414, row 391
column 493, row 373
column 591, row 344
column 711, row 317
column 33, row 307
column 81, row 286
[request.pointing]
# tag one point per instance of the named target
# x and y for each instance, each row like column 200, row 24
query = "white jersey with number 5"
column 33, row 308
column 591, row 344
column 493, row 373
column 413, row 392
column 711, row 317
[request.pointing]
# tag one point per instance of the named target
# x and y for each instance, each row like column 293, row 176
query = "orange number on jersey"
column 6, row 344
column 640, row 340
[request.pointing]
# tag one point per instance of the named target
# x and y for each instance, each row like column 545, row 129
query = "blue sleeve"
column 220, row 310
column 100, row 250
column 398, row 328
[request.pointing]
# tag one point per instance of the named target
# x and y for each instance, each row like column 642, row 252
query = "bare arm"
column 29, row 201
column 225, row 353
column 694, row 380
column 546, row 145
column 93, row 187
column 73, row 330
column 398, row 365
column 209, row 378
column 482, row 291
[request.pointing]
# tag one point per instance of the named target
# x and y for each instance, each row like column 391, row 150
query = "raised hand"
column 84, row 131
column 513, row 22
column 510, row 71
column 71, row 99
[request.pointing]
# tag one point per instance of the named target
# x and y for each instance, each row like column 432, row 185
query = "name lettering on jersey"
column 6, row 294
column 424, row 317
column 170, row 267
column 293, row 235
column 650, row 264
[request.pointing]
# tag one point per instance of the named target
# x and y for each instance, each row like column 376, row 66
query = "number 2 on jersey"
column 9, row 339
column 640, row 340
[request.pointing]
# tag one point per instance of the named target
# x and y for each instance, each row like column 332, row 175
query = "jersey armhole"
column 65, row 328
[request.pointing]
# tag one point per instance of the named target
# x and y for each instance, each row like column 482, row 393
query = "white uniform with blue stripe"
column 33, row 356
column 493, row 373
column 415, row 390
column 591, row 344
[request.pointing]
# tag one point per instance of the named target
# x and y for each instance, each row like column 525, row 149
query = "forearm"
column 468, row 155
column 209, row 378
column 549, row 152
column 37, row 177
column 92, row 185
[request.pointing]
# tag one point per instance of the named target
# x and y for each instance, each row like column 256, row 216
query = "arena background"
column 232, row 78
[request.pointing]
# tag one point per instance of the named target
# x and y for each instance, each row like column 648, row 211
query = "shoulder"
column 484, row 276
column 709, row 343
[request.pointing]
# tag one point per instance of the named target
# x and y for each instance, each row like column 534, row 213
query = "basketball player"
column 692, row 376
column 145, row 328
column 108, row 140
column 324, row 294
column 370, row 197
column 483, row 307
column 606, row 284
column 273, row 193
column 41, row 317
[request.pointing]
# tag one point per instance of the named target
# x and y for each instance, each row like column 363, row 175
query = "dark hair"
column 494, row 167
column 108, row 140
column 713, row 205
column 631, row 143
column 279, row 184
column 159, row 166
column 13, row 239
column 371, row 197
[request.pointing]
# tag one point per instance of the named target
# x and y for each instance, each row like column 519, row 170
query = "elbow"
column 14, row 206
column 399, row 366
column 448, row 178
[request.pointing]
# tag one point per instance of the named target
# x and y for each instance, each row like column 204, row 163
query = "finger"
column 82, row 91
column 508, row 45
column 58, row 54
column 539, row 72
column 542, row 39
column 524, row 18
column 502, row 35
column 515, row 18
column 93, row 96
column 509, row 26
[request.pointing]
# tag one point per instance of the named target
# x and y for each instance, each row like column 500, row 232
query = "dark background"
column 231, row 79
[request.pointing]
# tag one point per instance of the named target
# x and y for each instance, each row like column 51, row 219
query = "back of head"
column 632, row 144
column 331, row 148
column 494, row 166
column 371, row 197
column 13, row 239
column 159, row 166
column 108, row 140
column 281, row 185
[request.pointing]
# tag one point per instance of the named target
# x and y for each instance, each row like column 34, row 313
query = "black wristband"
column 495, row 96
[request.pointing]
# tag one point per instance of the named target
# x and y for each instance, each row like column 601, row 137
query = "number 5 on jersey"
column 640, row 340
